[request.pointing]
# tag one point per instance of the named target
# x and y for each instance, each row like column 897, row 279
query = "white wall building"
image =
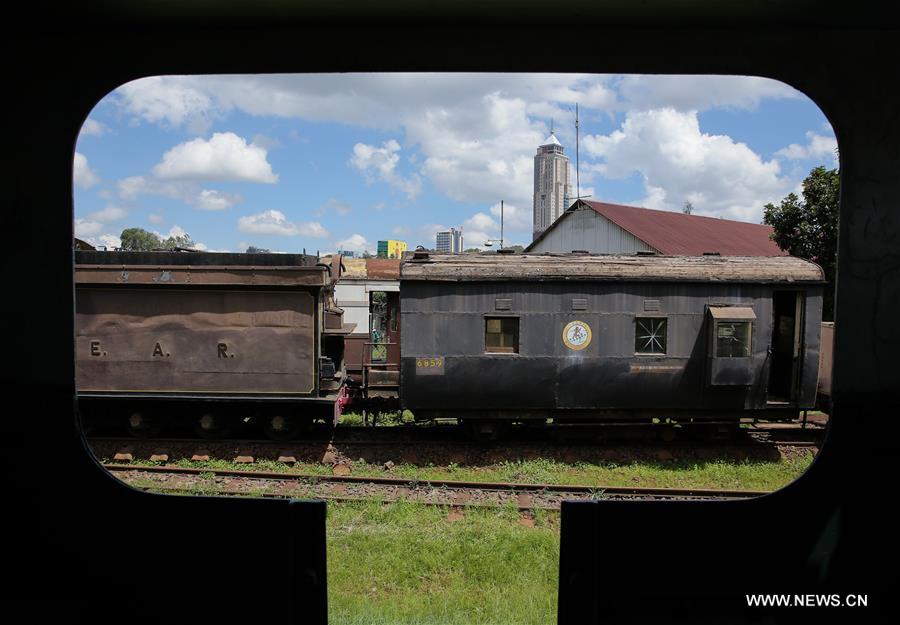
column 450, row 241
column 551, row 184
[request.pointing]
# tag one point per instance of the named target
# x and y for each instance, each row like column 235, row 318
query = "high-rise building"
column 551, row 184
column 391, row 249
column 450, row 241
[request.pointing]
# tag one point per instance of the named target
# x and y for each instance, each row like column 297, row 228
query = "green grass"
column 399, row 417
column 408, row 564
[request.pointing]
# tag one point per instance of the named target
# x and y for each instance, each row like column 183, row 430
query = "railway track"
column 452, row 494
column 420, row 447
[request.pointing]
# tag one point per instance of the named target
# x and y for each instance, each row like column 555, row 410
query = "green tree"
column 807, row 228
column 252, row 249
column 139, row 240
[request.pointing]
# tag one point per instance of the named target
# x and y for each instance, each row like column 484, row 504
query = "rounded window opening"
column 619, row 283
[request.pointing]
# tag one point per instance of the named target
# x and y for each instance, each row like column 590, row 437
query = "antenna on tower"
column 577, row 168
column 578, row 195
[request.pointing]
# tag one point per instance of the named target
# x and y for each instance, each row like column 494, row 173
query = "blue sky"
column 341, row 161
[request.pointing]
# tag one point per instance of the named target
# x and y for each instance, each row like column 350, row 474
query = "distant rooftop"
column 675, row 233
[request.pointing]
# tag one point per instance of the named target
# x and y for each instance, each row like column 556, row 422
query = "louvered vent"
column 651, row 305
column 502, row 304
column 579, row 304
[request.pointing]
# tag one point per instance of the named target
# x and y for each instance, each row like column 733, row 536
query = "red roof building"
column 602, row 228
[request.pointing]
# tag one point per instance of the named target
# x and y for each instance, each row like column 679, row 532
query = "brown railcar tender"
column 208, row 338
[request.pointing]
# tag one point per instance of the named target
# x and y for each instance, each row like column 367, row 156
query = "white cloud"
column 110, row 241
column 275, row 223
column 381, row 164
column 92, row 127
column 90, row 233
column 514, row 218
column 174, row 232
column 481, row 155
column 428, row 232
column 167, row 100
column 110, row 213
column 679, row 163
column 355, row 243
column 819, row 148
column 225, row 157
column 333, row 206
column 475, row 135
column 132, row 187
column 210, row 200
column 698, row 92
column 386, row 100
column 156, row 219
column 85, row 229
column 481, row 227
column 480, row 221
column 401, row 231
column 82, row 174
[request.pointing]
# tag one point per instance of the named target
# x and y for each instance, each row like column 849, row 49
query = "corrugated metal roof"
column 482, row 267
column 679, row 234
column 676, row 233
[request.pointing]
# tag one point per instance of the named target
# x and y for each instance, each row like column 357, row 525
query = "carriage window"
column 650, row 335
column 501, row 335
column 732, row 339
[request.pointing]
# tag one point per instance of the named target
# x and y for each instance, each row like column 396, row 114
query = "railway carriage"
column 208, row 339
column 215, row 340
column 575, row 337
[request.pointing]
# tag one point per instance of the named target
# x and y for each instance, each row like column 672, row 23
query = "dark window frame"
column 748, row 344
column 514, row 349
column 637, row 320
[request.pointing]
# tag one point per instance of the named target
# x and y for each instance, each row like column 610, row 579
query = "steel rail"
column 600, row 490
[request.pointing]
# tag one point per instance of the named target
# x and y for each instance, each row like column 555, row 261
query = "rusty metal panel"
column 174, row 275
column 195, row 341
column 383, row 268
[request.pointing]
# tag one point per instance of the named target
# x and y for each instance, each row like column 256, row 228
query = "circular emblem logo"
column 577, row 335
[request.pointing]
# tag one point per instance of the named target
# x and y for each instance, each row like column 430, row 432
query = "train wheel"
column 142, row 425
column 208, row 425
column 281, row 427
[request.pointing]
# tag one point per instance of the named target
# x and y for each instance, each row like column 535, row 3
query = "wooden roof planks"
column 557, row 267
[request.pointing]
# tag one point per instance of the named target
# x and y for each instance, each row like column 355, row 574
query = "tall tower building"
column 551, row 184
